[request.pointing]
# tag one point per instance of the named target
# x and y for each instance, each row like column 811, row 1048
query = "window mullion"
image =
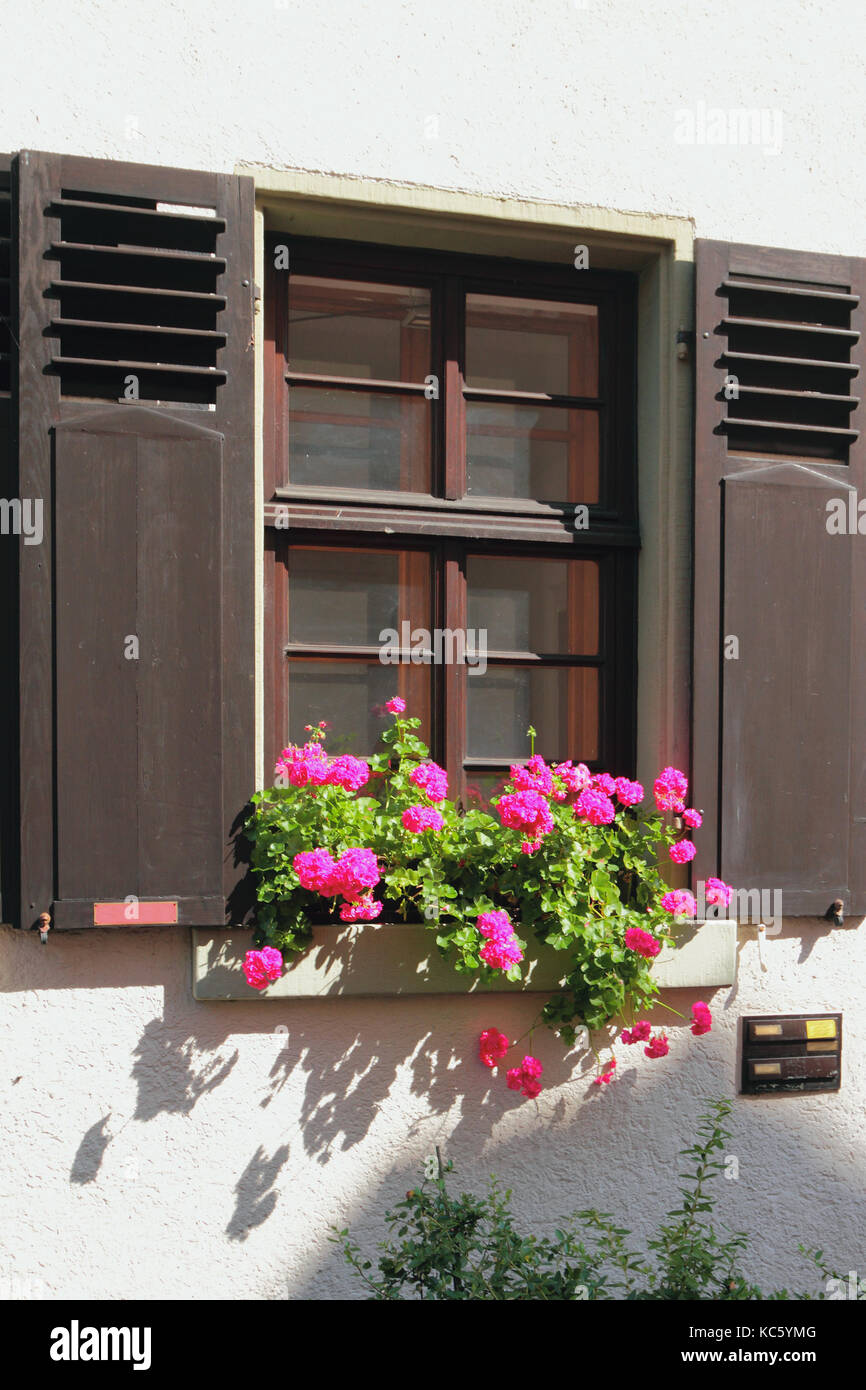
column 455, row 408
column 454, row 673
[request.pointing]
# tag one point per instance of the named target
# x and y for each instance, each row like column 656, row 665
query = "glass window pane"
column 533, row 605
column 560, row 702
column 480, row 787
column 347, row 598
column 348, row 328
column 351, row 696
column 531, row 345
column 358, row 439
column 541, row 452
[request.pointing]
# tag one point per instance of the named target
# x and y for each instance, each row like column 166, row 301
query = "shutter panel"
column 8, row 574
column 779, row 670
column 135, row 426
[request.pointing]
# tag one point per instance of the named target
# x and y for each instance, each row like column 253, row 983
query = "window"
column 450, row 505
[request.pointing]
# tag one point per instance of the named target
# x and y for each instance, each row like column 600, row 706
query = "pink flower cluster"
column 536, row 776
column 636, row 939
column 352, row 876
column 421, row 818
column 717, row 893
column 396, row 704
column 693, row 819
column 594, row 806
column 500, row 950
column 639, row 1033
column 363, row 909
column 629, row 793
column 262, row 967
column 492, row 1046
column 658, row 1046
column 432, row 779
column 703, row 1019
column 680, row 902
column 527, row 811
column 525, row 1077
column 309, row 767
column 670, row 788
column 575, row 778
column 348, row 772
column 682, row 851
column 607, row 1075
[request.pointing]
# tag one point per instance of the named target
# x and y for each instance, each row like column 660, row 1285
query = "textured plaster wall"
column 563, row 100
column 160, row 1148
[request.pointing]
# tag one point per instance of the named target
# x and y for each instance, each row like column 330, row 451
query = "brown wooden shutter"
column 778, row 730
column 8, row 569
column 135, row 408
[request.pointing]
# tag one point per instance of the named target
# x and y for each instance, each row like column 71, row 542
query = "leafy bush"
column 467, row 1247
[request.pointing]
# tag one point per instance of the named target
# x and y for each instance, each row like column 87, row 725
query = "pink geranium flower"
column 356, row 871
column 607, row 1075
column 682, row 851
column 432, row 779
column 396, row 705
column 363, row 909
column 262, row 967
column 603, row 782
column 629, row 793
column 670, row 788
column 703, row 1019
column 594, row 806
column 421, row 818
column 301, row 767
column 717, row 893
column 535, row 776
column 500, row 950
column 492, row 1046
column 349, row 773
column 315, row 869
column 658, row 1046
column 527, row 811
column 525, row 1077
column 639, row 1033
column 680, row 902
column 575, row 778
column 693, row 819
column 636, row 939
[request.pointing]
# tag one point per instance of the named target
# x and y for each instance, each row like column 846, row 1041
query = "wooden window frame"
column 447, row 520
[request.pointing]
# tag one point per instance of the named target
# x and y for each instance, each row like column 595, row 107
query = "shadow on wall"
column 91, row 1151
column 255, row 1200
column 170, row 1074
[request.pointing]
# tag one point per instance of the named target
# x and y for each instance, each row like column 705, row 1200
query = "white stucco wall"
column 565, row 100
column 156, row 1147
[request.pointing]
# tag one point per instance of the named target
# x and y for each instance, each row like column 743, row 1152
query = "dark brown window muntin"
column 446, row 522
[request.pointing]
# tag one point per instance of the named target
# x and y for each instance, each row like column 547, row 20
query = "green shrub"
column 467, row 1247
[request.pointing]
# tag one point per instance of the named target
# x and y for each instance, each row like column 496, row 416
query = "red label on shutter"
column 133, row 913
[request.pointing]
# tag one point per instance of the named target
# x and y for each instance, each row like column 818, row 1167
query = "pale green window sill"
column 369, row 959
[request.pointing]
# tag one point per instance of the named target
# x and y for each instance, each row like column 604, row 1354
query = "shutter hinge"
column 685, row 343
column 44, row 927
column 835, row 913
